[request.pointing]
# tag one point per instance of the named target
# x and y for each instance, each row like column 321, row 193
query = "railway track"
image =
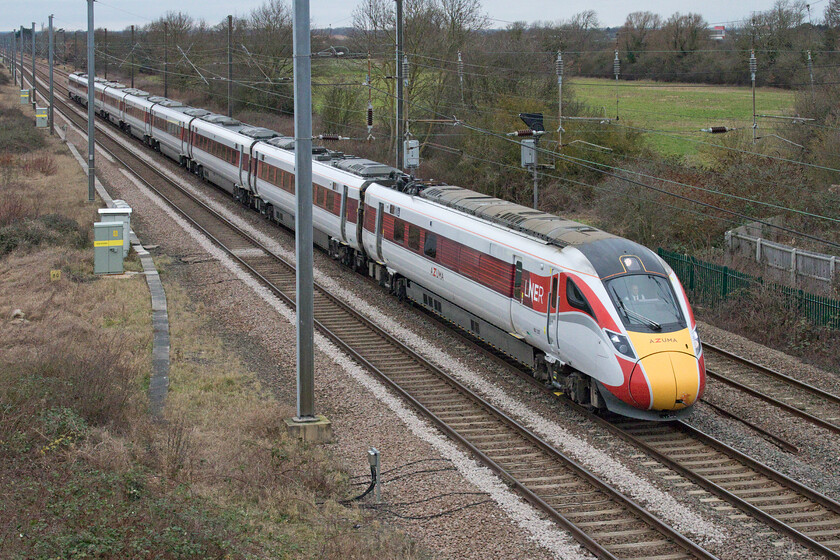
column 608, row 524
column 800, row 399
column 806, row 516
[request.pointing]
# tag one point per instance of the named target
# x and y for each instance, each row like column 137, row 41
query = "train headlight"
column 621, row 344
column 695, row 339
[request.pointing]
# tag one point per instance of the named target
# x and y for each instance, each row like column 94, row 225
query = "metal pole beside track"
column 14, row 56
column 34, row 88
column 399, row 89
column 230, row 67
column 52, row 54
column 303, row 216
column 165, row 60
column 91, row 72
column 21, row 57
column 132, row 56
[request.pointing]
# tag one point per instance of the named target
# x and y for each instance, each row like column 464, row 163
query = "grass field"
column 681, row 109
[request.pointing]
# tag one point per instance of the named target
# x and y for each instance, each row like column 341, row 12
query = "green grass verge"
column 680, row 108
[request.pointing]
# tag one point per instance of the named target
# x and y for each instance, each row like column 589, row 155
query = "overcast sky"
column 118, row 14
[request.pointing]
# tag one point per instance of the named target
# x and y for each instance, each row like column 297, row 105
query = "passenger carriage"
column 169, row 127
column 136, row 116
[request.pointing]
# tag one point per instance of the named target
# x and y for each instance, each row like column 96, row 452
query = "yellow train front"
column 656, row 344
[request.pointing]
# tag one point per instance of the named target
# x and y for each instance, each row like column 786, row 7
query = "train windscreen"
column 645, row 302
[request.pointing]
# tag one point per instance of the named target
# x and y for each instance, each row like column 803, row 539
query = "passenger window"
column 430, row 245
column 576, row 298
column 399, row 231
column 552, row 297
column 414, row 237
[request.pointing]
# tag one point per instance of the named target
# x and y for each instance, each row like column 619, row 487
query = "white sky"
column 118, row 14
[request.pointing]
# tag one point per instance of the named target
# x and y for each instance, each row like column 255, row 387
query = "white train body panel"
column 218, row 149
column 169, row 126
column 113, row 102
column 136, row 114
column 335, row 195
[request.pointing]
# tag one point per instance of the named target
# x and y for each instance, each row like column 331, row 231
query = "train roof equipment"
column 221, row 120
column 259, row 133
column 366, row 168
column 549, row 228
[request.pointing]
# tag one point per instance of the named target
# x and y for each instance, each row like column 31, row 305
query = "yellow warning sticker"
column 116, row 233
column 112, row 243
column 55, row 275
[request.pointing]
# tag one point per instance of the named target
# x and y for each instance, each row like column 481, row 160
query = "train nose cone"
column 665, row 381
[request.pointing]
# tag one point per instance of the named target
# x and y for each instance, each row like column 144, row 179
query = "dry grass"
column 84, row 472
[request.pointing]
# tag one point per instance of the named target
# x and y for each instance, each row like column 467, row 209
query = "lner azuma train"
column 600, row 317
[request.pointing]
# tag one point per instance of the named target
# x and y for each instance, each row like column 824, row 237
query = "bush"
column 17, row 132
column 50, row 229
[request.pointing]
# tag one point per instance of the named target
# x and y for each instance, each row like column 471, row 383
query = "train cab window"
column 576, row 298
column 413, row 237
column 430, row 245
column 399, row 231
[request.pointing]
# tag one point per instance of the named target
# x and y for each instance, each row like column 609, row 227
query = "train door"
column 517, row 290
column 243, row 173
column 343, row 214
column 380, row 228
column 551, row 308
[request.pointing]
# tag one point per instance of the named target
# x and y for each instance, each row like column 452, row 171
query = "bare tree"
column 636, row 32
column 685, row 33
column 832, row 14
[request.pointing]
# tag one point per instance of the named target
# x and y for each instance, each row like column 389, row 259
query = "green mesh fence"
column 709, row 283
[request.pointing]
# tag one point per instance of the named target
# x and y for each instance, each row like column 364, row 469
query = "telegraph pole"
column 52, row 48
column 132, row 56
column 230, row 67
column 398, row 70
column 91, row 70
column 165, row 60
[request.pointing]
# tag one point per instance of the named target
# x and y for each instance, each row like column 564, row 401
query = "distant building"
column 717, row 33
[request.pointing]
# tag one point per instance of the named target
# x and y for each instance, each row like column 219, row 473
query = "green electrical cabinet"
column 108, row 248
column 122, row 213
column 24, row 97
column 42, row 118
